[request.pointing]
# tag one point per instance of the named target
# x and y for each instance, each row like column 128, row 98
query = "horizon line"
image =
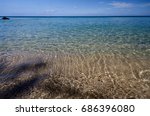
column 77, row 16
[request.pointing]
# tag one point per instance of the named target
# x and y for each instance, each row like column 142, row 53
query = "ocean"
column 87, row 34
column 75, row 57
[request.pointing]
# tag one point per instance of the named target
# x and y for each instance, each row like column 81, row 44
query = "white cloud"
column 146, row 5
column 121, row 4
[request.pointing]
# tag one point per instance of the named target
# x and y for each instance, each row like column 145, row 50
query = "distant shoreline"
column 70, row 16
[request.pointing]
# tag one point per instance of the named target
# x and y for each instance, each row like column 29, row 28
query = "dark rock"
column 5, row 18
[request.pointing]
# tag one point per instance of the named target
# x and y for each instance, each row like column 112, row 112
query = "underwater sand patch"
column 145, row 74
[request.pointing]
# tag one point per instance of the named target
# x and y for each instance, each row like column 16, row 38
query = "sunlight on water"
column 73, row 34
column 99, row 57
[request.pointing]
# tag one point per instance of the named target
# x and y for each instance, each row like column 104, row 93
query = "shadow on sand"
column 14, row 85
column 20, row 88
column 10, row 74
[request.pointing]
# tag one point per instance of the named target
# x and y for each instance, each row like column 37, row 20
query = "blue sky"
column 74, row 7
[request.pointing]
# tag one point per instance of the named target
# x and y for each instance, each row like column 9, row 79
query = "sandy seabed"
column 74, row 75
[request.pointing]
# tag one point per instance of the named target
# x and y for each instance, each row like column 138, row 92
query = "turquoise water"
column 75, row 57
column 73, row 34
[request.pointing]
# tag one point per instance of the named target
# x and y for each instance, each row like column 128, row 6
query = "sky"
column 74, row 7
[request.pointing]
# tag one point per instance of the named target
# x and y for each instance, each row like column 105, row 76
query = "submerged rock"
column 5, row 18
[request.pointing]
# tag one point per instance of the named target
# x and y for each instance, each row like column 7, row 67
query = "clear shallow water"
column 88, row 34
column 100, row 57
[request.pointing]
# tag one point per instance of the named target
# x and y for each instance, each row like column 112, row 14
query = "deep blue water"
column 86, row 34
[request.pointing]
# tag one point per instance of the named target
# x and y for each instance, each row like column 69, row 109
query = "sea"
column 75, row 57
column 72, row 34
